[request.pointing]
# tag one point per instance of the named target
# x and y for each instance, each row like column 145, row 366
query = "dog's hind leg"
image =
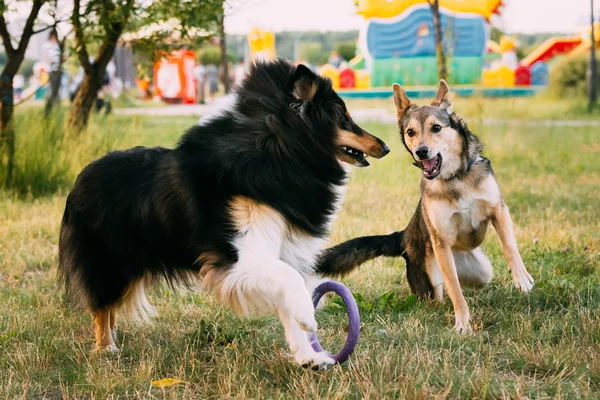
column 435, row 276
column 104, row 337
column 113, row 324
column 473, row 268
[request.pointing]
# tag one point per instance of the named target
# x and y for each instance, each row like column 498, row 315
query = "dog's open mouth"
column 431, row 167
column 356, row 155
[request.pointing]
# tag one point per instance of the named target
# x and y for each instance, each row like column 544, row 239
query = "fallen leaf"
column 166, row 382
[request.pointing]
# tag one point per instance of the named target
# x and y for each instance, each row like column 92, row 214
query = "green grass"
column 542, row 345
column 542, row 107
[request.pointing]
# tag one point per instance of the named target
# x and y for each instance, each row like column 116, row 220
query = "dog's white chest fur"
column 464, row 221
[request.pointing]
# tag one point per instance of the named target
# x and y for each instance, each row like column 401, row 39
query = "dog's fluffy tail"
column 345, row 257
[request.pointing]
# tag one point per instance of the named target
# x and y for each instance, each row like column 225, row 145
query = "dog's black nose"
column 386, row 149
column 422, row 152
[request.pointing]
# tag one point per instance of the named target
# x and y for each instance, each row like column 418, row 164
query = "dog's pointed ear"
column 443, row 98
column 400, row 100
column 304, row 83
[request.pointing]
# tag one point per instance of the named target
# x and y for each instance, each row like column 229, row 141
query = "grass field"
column 542, row 345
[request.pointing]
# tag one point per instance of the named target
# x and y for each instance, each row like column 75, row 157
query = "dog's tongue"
column 428, row 165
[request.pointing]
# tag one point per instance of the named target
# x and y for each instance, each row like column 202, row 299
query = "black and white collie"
column 243, row 205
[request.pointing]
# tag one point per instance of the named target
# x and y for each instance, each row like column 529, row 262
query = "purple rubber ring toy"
column 353, row 318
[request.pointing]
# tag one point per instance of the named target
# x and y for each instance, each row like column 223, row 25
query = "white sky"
column 523, row 16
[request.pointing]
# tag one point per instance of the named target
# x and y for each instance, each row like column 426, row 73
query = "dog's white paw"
column 463, row 324
column 523, row 280
column 110, row 348
column 313, row 360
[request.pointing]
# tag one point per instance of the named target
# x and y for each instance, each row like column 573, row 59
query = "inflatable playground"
column 397, row 44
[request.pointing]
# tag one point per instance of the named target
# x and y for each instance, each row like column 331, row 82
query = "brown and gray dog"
column 459, row 198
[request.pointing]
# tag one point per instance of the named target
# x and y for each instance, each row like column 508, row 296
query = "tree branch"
column 112, row 36
column 6, row 37
column 82, row 53
column 54, row 25
column 28, row 30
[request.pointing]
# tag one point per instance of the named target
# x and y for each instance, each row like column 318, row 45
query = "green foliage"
column 541, row 345
column 191, row 22
column 285, row 41
column 26, row 68
column 212, row 55
column 568, row 77
column 347, row 50
column 313, row 53
column 40, row 164
column 496, row 34
column 191, row 15
column 46, row 160
column 388, row 301
column 532, row 40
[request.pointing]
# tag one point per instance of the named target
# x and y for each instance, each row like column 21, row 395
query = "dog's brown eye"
column 410, row 132
column 436, row 128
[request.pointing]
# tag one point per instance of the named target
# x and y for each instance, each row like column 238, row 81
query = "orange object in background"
column 174, row 77
column 144, row 86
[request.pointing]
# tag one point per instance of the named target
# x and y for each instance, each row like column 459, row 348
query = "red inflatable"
column 347, row 78
column 174, row 77
column 523, row 75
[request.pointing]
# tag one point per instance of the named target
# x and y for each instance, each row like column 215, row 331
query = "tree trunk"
column 15, row 58
column 224, row 61
column 94, row 72
column 92, row 83
column 7, row 107
column 84, row 101
column 439, row 47
column 55, row 82
column 7, row 130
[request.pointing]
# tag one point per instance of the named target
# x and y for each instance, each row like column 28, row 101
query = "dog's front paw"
column 463, row 324
column 313, row 360
column 523, row 280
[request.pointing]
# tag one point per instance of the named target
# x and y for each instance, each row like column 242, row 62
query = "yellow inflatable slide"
column 390, row 9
